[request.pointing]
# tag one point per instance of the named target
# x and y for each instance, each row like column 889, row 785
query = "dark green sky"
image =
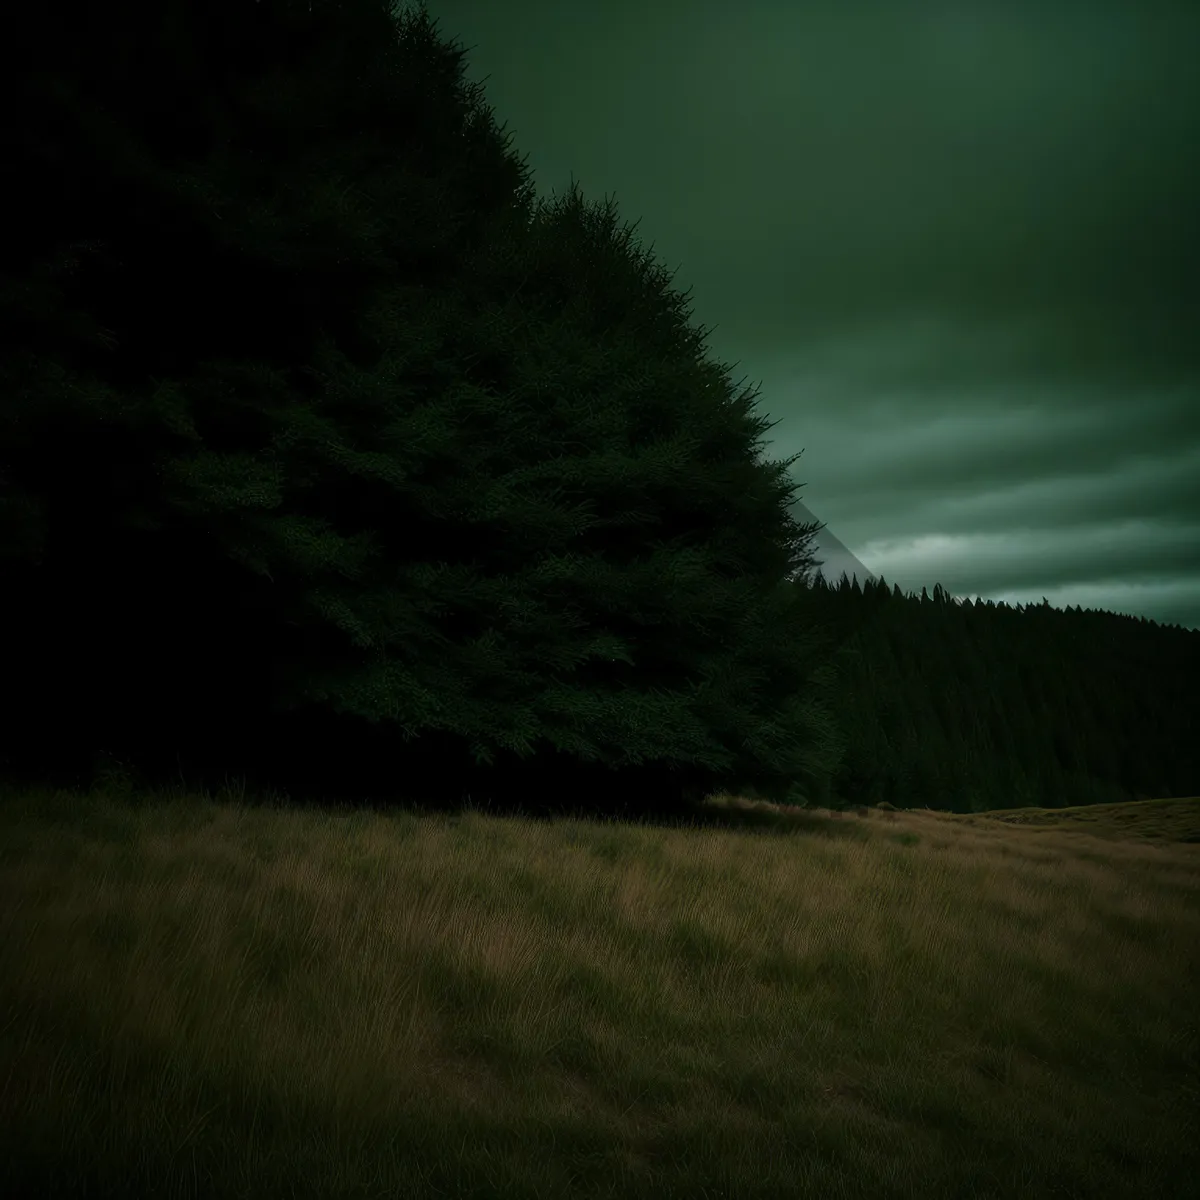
column 957, row 244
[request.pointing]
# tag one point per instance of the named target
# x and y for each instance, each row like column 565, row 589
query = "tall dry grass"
column 203, row 998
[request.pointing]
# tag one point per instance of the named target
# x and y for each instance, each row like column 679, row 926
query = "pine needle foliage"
column 330, row 454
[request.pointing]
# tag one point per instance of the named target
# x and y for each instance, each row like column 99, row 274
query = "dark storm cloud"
column 958, row 245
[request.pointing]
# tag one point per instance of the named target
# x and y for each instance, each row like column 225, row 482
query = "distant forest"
column 964, row 706
column 333, row 460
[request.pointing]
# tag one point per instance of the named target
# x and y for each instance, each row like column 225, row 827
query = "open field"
column 1152, row 822
column 204, row 998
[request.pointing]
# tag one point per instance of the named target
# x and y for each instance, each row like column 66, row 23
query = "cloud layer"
column 957, row 244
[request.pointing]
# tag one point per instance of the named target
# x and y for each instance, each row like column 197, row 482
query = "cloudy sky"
column 956, row 244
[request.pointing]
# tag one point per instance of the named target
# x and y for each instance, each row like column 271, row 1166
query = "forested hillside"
column 967, row 706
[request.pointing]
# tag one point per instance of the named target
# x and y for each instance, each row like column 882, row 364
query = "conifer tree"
column 332, row 457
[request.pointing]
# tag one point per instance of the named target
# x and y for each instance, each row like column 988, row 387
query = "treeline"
column 333, row 459
column 964, row 706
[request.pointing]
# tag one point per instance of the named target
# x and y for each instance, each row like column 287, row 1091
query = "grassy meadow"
column 201, row 996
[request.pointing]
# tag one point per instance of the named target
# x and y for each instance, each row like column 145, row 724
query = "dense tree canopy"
column 969, row 707
column 329, row 456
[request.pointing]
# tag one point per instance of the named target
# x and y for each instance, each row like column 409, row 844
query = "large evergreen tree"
column 583, row 587
column 328, row 457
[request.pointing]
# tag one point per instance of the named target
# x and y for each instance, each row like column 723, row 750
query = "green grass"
column 201, row 997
